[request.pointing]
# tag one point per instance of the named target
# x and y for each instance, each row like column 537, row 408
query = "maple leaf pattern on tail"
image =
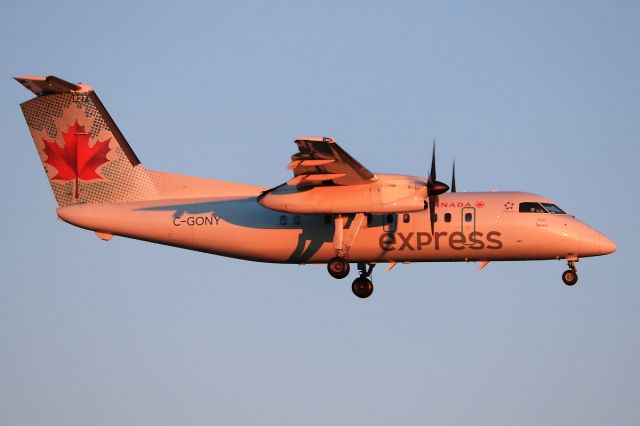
column 76, row 160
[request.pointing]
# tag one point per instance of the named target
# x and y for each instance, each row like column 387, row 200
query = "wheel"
column 338, row 267
column 362, row 287
column 570, row 277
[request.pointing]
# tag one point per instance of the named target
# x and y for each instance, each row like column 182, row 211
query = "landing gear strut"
column 570, row 276
column 338, row 267
column 362, row 286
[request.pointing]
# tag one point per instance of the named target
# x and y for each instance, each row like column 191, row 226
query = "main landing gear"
column 570, row 276
column 338, row 267
column 362, row 286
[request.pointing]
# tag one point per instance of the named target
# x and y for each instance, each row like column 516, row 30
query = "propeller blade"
column 432, row 175
column 434, row 187
column 432, row 211
column 453, row 177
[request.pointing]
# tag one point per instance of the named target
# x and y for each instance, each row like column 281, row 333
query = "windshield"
column 532, row 207
column 552, row 208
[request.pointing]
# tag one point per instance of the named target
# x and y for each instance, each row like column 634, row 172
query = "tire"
column 338, row 267
column 362, row 287
column 570, row 277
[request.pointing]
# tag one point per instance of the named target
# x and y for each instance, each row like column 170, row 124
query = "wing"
column 321, row 161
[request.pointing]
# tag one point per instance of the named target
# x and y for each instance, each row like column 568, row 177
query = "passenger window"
column 283, row 220
column 531, row 208
column 389, row 218
column 296, row 220
column 468, row 217
column 327, row 219
column 406, row 217
column 447, row 217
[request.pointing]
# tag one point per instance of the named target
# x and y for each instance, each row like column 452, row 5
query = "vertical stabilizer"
column 84, row 154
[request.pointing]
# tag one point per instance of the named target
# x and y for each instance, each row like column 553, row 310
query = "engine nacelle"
column 388, row 194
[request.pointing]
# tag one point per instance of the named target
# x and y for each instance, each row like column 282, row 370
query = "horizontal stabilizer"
column 50, row 85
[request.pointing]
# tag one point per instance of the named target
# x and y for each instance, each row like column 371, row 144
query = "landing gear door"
column 468, row 218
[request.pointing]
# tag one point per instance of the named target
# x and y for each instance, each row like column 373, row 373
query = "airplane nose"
column 606, row 245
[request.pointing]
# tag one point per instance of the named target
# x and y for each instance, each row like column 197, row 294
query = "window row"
column 388, row 218
column 296, row 220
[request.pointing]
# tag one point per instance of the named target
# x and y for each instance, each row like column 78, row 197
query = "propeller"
column 434, row 188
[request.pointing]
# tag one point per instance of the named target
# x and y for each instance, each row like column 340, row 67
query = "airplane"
column 333, row 210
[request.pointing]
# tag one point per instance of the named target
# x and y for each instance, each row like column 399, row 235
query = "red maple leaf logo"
column 76, row 159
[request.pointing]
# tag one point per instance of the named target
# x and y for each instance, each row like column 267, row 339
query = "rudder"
column 84, row 154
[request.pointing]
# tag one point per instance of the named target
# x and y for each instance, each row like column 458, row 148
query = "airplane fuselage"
column 474, row 226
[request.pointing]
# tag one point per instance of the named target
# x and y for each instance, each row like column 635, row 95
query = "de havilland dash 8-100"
column 332, row 211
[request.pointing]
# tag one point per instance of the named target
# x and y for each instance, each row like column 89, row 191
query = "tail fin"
column 84, row 154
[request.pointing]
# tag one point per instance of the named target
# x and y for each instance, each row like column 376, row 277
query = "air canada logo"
column 461, row 204
column 77, row 159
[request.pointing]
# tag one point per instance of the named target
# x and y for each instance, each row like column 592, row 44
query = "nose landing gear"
column 570, row 276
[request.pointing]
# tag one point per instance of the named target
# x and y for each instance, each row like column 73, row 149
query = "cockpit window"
column 553, row 209
column 531, row 208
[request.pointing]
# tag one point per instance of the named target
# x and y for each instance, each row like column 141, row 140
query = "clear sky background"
column 532, row 96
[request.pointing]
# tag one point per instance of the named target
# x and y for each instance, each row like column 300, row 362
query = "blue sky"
column 539, row 97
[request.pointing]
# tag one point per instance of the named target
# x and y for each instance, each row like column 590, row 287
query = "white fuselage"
column 470, row 226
